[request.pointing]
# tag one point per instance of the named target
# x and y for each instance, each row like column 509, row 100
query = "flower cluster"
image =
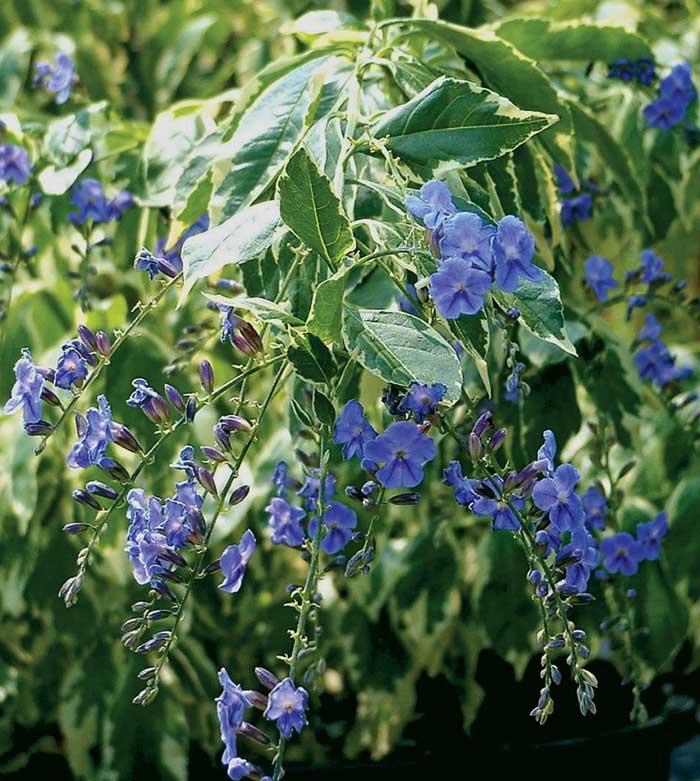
column 88, row 196
column 58, row 78
column 15, row 165
column 642, row 70
column 473, row 255
column 622, row 553
column 576, row 208
column 676, row 93
column 653, row 360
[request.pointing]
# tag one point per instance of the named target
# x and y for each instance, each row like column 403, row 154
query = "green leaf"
column 473, row 332
column 510, row 73
column 266, row 136
column 311, row 359
column 267, row 311
column 326, row 315
column 542, row 39
column 455, row 120
column 240, row 238
column 67, row 137
column 540, row 310
column 15, row 52
column 399, row 348
column 174, row 60
column 311, row 209
column 55, row 180
column 682, row 545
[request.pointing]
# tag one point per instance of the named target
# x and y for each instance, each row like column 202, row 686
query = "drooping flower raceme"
column 234, row 561
column 403, row 450
column 286, row 706
column 26, row 392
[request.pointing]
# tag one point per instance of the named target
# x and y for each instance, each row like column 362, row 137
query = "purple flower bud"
column 83, row 497
column 531, row 471
column 145, row 696
column 191, row 408
column 405, row 498
column 353, row 493
column 239, row 495
column 268, row 679
column 482, row 424
column 158, row 615
column 215, row 566
column 104, row 346
column 253, row 733
column 87, row 337
column 160, row 588
column 222, row 437
column 70, row 590
column 199, row 525
column 251, row 335
column 231, row 423
column 513, row 313
column 256, row 699
column 474, row 446
column 125, row 439
column 48, row 374
column 100, row 489
column 170, row 554
column 496, row 440
column 167, row 268
column 40, row 428
column 114, row 469
column 175, row 397
column 76, row 528
column 80, row 424
column 206, row 480
column 213, row 454
column 206, row 375
column 50, row 397
column 242, row 344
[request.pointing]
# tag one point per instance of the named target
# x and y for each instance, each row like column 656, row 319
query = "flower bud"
column 213, row 454
column 80, row 424
column 87, row 337
column 166, row 267
column 249, row 731
column 104, row 346
column 231, row 423
column 256, row 699
column 191, row 408
column 41, row 428
column 199, row 525
column 158, row 615
column 482, row 424
column 77, row 528
column 83, row 497
column 170, row 554
column 206, row 480
column 123, row 437
column 70, row 590
column 222, row 437
column 50, row 397
column 405, row 498
column 175, row 397
column 100, row 489
column 145, row 696
column 474, row 446
column 513, row 313
column 215, row 566
column 114, row 469
column 239, row 495
column 230, row 286
column 206, row 376
column 268, row 679
column 496, row 440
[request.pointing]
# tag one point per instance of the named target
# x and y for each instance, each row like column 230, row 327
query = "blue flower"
column 650, row 535
column 15, row 165
column 352, row 430
column 231, row 705
column 514, row 385
column 564, row 182
column 147, row 261
column 286, row 705
column 579, row 572
column 285, row 522
column 433, row 204
column 145, row 542
column 635, row 302
column 58, row 79
column 173, row 254
column 656, row 364
column 513, row 249
column 422, row 400
column 458, row 289
column 185, row 461
column 403, row 450
column 72, row 366
column 141, row 394
column 595, row 507
column 89, row 197
column 556, row 496
column 122, row 201
column 576, row 209
column 339, row 521
column 176, row 526
column 678, row 85
column 664, row 113
column 652, row 268
column 650, row 331
column 548, row 450
column 26, row 392
column 91, row 446
column 622, row 69
column 186, row 494
column 465, row 236
column 599, row 275
column 495, row 507
column 465, row 489
column 621, row 553
column 234, row 561
column 280, row 479
column 645, row 71
column 312, row 486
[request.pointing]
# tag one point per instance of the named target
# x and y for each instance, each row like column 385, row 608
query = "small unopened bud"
column 170, row 554
column 175, row 397
column 206, row 480
column 496, row 440
column 405, row 498
column 50, row 397
column 425, row 426
column 213, row 454
column 76, row 528
column 206, row 376
column 123, row 437
column 256, row 699
column 100, row 489
column 114, row 469
column 222, row 437
column 230, row 286
column 147, row 672
column 80, row 424
column 482, row 424
column 215, row 566
column 249, row 731
column 104, row 346
column 158, row 615
column 231, row 423
column 239, row 495
column 513, row 313
column 83, row 497
column 167, row 268
column 196, row 518
column 191, row 408
column 41, row 428
column 474, row 446
column 268, row 679
column 87, row 337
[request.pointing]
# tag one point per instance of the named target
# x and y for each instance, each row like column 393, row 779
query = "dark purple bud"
column 256, row 699
column 425, row 427
column 199, row 525
column 50, row 397
column 531, row 471
column 251, row 335
column 48, row 374
column 114, row 469
column 158, row 615
column 100, row 489
column 145, row 696
column 206, row 375
column 160, row 588
column 167, row 268
column 482, row 424
column 175, row 397
column 353, row 493
column 249, row 731
column 206, row 480
column 125, row 439
column 168, row 574
column 557, row 642
column 104, row 346
column 510, row 482
column 87, row 337
column 496, row 440
column 213, row 454
column 77, row 528
column 231, row 423
column 191, row 408
column 222, row 437
column 215, row 566
column 513, row 313
column 41, row 428
column 139, row 607
column 147, row 672
column 474, row 446
column 156, row 409
column 268, row 679
column 241, row 344
column 239, row 495
column 130, row 624
column 158, row 640
column 409, row 497
column 83, row 497
column 80, row 424
column 170, row 554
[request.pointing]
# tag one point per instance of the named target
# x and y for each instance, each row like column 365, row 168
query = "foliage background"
column 441, row 593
